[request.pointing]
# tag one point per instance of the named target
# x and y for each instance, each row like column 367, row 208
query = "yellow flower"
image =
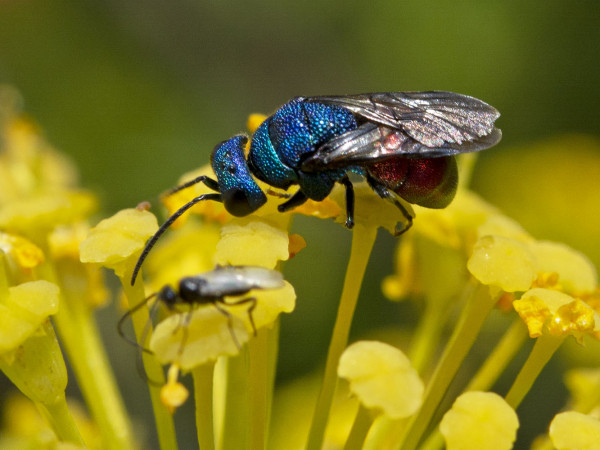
column 584, row 387
column 430, row 258
column 79, row 281
column 26, row 307
column 189, row 250
column 504, row 263
column 480, row 420
column 192, row 338
column 253, row 243
column 370, row 210
column 204, row 336
column 20, row 257
column 558, row 312
column 382, row 377
column 211, row 211
column 173, row 394
column 573, row 430
column 117, row 241
column 38, row 214
column 29, row 166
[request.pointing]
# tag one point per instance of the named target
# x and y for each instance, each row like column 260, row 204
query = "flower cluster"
column 208, row 302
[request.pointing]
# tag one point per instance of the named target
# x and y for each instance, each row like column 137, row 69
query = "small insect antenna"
column 152, row 241
column 140, row 345
column 146, row 328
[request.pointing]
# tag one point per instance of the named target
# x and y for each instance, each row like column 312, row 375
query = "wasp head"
column 240, row 193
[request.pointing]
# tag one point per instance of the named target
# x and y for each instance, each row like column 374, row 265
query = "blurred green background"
column 139, row 92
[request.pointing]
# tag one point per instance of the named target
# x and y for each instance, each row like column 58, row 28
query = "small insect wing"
column 412, row 124
column 238, row 280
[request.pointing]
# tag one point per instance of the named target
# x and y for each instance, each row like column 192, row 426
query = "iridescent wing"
column 411, row 124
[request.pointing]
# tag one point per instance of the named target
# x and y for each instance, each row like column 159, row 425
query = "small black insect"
column 211, row 288
column 402, row 143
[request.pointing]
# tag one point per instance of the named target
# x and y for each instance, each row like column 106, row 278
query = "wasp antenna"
column 208, row 182
column 128, row 314
column 152, row 241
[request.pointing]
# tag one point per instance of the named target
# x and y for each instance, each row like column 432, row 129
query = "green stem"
column 261, row 387
column 79, row 334
column 473, row 316
column 237, row 414
column 489, row 372
column 542, row 351
column 360, row 429
column 165, row 427
column 498, row 360
column 426, row 337
column 203, row 396
column 60, row 419
column 363, row 239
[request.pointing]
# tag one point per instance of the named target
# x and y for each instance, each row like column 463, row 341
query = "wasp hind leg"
column 296, row 200
column 386, row 194
column 349, row 201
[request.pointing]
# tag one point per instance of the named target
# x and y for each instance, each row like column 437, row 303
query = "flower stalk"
column 363, row 238
column 478, row 306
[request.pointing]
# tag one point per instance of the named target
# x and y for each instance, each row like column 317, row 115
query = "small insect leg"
column 184, row 324
column 252, row 301
column 349, row 201
column 227, row 314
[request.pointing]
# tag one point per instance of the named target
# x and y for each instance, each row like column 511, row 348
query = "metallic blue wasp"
column 402, row 143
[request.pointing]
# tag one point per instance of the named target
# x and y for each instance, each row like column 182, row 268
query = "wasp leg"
column 208, row 182
column 167, row 224
column 296, row 200
column 278, row 194
column 349, row 201
column 252, row 301
column 386, row 194
column 227, row 314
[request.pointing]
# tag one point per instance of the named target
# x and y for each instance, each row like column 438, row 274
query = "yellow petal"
column 209, row 336
column 576, row 272
column 27, row 307
column 561, row 313
column 43, row 212
column 503, row 262
column 269, row 304
column 24, row 253
column 115, row 240
column 189, row 250
column 370, row 210
column 480, row 420
column 382, row 377
column 210, row 210
column 252, row 243
column 254, row 121
column 573, row 430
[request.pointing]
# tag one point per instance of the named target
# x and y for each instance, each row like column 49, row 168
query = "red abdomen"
column 425, row 182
